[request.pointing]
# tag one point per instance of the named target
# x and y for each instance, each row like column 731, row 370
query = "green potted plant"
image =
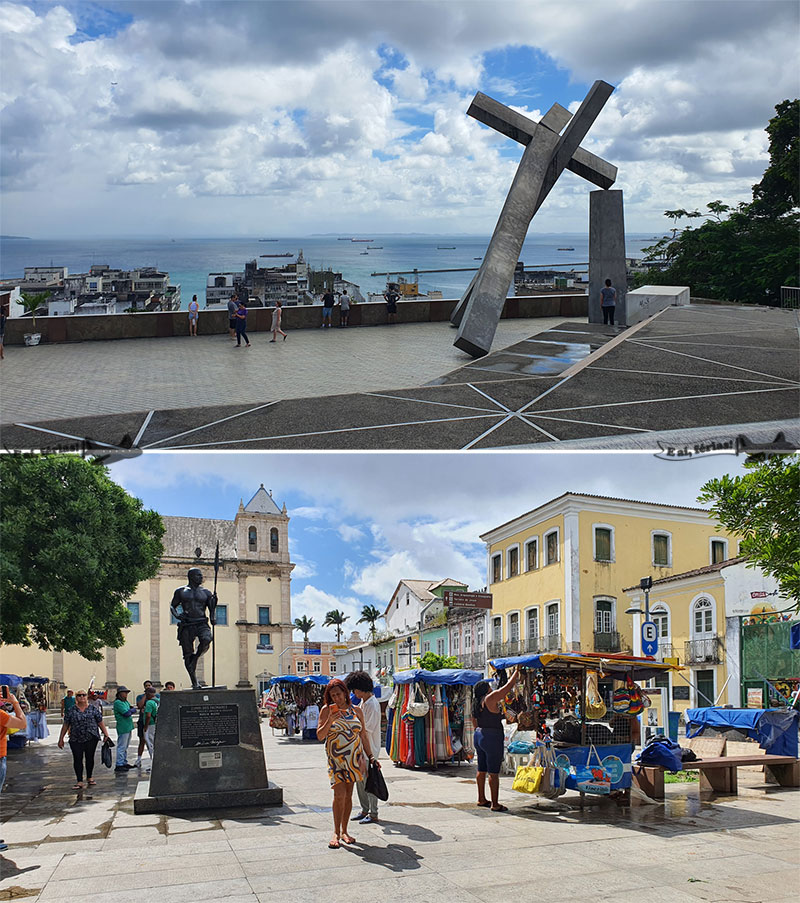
column 32, row 301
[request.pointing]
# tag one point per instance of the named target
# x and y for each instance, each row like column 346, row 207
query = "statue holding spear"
column 189, row 606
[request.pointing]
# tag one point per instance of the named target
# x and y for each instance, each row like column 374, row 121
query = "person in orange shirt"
column 7, row 720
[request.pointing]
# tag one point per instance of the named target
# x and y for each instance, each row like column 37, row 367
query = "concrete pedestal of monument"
column 208, row 754
column 650, row 299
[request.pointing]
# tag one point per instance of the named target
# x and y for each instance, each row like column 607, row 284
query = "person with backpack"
column 241, row 325
column 194, row 313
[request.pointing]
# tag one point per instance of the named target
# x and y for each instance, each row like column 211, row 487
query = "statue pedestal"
column 208, row 754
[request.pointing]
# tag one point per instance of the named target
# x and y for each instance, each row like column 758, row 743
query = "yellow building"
column 254, row 621
column 558, row 573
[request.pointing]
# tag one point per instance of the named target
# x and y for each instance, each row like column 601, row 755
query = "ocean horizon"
column 189, row 260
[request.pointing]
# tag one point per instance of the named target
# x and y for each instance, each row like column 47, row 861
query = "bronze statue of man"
column 188, row 607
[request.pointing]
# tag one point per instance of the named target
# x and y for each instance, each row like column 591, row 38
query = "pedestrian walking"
column 489, row 738
column 276, row 322
column 140, row 701
column 347, row 745
column 392, row 296
column 8, row 720
column 194, row 313
column 608, row 302
column 150, row 716
column 241, row 325
column 344, row 309
column 83, row 723
column 328, row 301
column 233, row 306
column 360, row 683
column 67, row 703
column 123, row 715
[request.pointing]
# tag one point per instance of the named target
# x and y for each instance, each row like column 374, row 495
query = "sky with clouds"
column 213, row 118
column 362, row 522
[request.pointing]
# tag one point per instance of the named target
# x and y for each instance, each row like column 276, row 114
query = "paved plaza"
column 720, row 369
column 432, row 842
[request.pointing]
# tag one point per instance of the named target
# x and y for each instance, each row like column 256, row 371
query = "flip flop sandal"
column 77, row 786
column 346, row 838
column 500, row 809
column 92, row 783
column 334, row 845
column 485, row 805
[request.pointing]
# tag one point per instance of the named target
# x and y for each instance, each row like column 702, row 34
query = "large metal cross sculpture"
column 547, row 154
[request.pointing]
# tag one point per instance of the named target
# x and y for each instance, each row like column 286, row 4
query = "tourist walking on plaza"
column 7, row 720
column 392, row 297
column 150, row 716
column 233, row 306
column 489, row 738
column 67, row 703
column 241, row 325
column 83, row 723
column 194, row 313
column 360, row 683
column 608, row 302
column 347, row 744
column 276, row 322
column 344, row 309
column 123, row 715
column 328, row 301
column 140, row 701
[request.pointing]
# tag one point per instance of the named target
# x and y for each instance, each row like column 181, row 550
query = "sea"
column 189, row 260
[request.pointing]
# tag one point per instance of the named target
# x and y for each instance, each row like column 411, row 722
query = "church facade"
column 254, row 614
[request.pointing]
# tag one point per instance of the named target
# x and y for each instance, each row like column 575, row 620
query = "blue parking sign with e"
column 649, row 638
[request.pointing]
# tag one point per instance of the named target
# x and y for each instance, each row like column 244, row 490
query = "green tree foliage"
column 32, row 302
column 370, row 615
column 336, row 618
column 75, row 546
column 745, row 253
column 305, row 625
column 762, row 508
column 433, row 662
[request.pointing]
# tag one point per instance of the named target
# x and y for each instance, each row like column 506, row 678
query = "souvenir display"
column 292, row 705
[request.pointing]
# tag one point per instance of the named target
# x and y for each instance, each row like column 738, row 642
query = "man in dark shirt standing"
column 328, row 301
column 392, row 297
column 232, row 308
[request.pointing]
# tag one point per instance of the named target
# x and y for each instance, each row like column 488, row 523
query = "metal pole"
column 214, row 622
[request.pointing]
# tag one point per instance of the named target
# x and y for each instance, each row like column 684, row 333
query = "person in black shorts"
column 232, row 308
column 489, row 738
column 392, row 297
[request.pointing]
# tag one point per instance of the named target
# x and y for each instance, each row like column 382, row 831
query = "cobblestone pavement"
column 431, row 844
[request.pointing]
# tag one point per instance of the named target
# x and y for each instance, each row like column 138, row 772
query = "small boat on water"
column 445, row 247
column 363, row 253
column 268, row 239
column 276, row 255
column 344, row 239
column 566, row 249
column 375, row 248
column 477, row 258
column 362, row 239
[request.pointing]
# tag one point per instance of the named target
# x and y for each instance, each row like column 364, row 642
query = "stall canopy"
column 640, row 668
column 449, row 676
column 775, row 729
column 321, row 679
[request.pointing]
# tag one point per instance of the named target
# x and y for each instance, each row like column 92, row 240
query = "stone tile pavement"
column 432, row 842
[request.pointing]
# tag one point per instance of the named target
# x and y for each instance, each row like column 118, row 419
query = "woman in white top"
column 276, row 322
column 360, row 683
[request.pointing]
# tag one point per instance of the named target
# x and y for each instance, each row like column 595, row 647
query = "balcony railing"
column 533, row 645
column 606, row 642
column 473, row 660
column 665, row 651
column 703, row 651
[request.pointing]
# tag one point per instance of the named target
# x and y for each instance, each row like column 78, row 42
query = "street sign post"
column 467, row 600
column 649, row 638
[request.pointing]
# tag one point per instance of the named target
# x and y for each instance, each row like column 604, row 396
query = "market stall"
column 32, row 693
column 429, row 717
column 774, row 729
column 293, row 703
column 591, row 733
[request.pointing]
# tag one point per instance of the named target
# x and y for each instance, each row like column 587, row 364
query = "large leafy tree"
column 336, row 618
column 748, row 252
column 370, row 615
column 74, row 547
column 762, row 508
column 305, row 625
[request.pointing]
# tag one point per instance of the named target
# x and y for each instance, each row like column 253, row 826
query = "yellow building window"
column 602, row 544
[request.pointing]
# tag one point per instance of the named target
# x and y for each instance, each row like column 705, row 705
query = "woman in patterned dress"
column 341, row 726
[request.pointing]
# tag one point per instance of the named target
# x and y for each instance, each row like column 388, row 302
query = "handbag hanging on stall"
column 528, row 778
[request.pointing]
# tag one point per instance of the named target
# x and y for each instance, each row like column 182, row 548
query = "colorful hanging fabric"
column 468, row 737
column 430, row 738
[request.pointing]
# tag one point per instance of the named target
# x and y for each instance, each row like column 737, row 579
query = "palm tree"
column 336, row 618
column 369, row 615
column 32, row 302
column 305, row 625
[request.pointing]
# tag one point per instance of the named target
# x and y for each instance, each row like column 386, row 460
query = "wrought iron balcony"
column 665, row 651
column 473, row 660
column 707, row 651
column 606, row 641
column 550, row 643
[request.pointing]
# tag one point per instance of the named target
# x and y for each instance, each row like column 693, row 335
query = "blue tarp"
column 794, row 642
column 448, row 676
column 321, row 679
column 775, row 729
column 10, row 680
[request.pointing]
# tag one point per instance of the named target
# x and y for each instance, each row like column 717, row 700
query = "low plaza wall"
column 643, row 302
column 97, row 328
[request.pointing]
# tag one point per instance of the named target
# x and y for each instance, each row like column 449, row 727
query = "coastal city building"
column 262, row 286
column 254, row 608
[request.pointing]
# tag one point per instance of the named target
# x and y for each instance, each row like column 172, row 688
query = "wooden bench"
column 718, row 774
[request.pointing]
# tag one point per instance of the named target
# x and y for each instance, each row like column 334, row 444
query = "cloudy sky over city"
column 361, row 522
column 221, row 118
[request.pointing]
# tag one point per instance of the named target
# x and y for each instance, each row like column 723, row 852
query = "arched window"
column 660, row 615
column 703, row 618
column 273, row 539
column 252, row 539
